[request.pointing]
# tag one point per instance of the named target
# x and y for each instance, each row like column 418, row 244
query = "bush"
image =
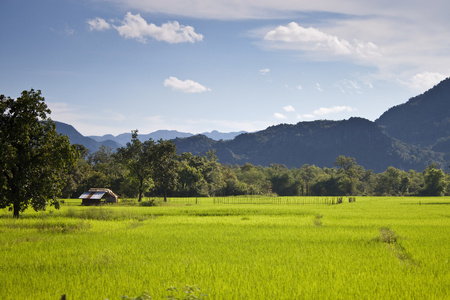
column 387, row 236
column 150, row 202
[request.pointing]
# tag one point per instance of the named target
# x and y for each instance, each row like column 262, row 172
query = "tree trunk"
column 16, row 210
column 16, row 202
column 141, row 187
column 165, row 196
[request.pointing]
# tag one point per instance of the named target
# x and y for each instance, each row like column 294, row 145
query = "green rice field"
column 230, row 248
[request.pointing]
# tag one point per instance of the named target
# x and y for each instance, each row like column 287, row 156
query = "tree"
column 137, row 157
column 212, row 172
column 164, row 166
column 76, row 179
column 255, row 178
column 283, row 181
column 308, row 174
column 389, row 182
column 346, row 163
column 435, row 184
column 34, row 157
column 190, row 178
column 352, row 172
column 104, row 161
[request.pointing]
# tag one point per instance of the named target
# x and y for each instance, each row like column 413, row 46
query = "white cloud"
column 269, row 9
column 406, row 39
column 279, row 116
column 135, row 27
column 332, row 110
column 98, row 24
column 350, row 86
column 187, row 86
column 308, row 116
column 264, row 71
column 295, row 37
column 61, row 110
column 222, row 125
column 411, row 37
column 425, row 81
column 69, row 31
column 289, row 108
column 299, row 87
column 318, row 87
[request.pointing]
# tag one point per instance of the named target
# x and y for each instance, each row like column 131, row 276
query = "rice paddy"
column 211, row 248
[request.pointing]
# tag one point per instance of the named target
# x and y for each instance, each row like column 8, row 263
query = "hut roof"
column 96, row 193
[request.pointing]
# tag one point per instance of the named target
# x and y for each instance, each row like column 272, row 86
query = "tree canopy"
column 169, row 175
column 34, row 157
column 138, row 157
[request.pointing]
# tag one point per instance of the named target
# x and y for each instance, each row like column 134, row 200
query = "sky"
column 112, row 66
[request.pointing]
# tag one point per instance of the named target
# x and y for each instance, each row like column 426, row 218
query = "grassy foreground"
column 374, row 248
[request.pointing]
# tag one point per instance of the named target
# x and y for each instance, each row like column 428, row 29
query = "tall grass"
column 235, row 251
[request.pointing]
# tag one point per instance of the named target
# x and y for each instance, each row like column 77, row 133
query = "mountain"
column 216, row 135
column 93, row 143
column 408, row 136
column 77, row 138
column 316, row 143
column 424, row 120
column 124, row 138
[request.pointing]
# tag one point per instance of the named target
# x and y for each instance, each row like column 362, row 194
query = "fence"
column 282, row 200
column 263, row 200
column 298, row 200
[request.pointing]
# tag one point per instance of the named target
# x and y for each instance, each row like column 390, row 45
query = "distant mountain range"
column 124, row 138
column 93, row 143
column 408, row 136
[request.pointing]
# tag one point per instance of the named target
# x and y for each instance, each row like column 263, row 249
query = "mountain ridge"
column 316, row 143
column 406, row 121
column 76, row 137
column 411, row 135
column 124, row 138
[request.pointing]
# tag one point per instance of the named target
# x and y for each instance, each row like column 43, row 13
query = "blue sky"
column 111, row 66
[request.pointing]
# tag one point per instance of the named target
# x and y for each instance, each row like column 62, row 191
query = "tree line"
column 38, row 165
column 155, row 169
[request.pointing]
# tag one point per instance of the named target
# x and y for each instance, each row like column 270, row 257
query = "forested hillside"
column 77, row 138
column 423, row 120
column 316, row 143
column 412, row 135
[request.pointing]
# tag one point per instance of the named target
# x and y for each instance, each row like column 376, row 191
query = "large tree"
column 138, row 157
column 435, row 183
column 34, row 157
column 164, row 166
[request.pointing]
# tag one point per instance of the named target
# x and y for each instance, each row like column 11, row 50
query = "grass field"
column 374, row 248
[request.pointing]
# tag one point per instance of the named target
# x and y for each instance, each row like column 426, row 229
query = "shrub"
column 387, row 236
column 150, row 202
column 318, row 220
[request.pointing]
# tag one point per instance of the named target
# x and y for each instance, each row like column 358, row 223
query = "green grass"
column 374, row 248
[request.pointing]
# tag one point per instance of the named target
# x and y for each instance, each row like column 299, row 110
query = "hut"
column 96, row 196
